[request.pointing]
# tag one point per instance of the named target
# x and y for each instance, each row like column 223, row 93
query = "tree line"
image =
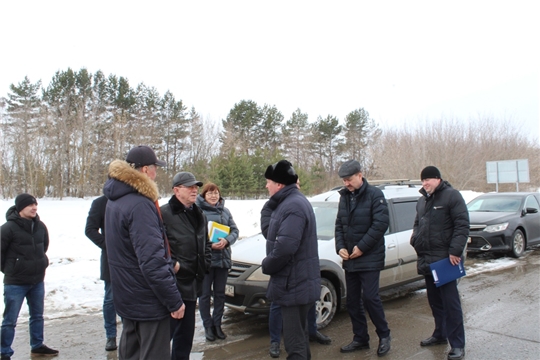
column 58, row 140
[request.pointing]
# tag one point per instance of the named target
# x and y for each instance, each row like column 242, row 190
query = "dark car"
column 504, row 222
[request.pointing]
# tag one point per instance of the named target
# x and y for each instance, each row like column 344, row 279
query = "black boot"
column 219, row 333
column 209, row 333
column 111, row 344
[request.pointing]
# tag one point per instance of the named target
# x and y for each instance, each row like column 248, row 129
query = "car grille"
column 238, row 269
column 477, row 228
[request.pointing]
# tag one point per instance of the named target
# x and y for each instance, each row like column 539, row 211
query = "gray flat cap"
column 185, row 178
column 349, row 168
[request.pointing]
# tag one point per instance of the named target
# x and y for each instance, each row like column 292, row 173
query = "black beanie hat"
column 430, row 172
column 23, row 200
column 281, row 172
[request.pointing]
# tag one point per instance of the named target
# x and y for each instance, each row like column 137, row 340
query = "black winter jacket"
column 190, row 246
column 220, row 214
column 292, row 258
column 142, row 276
column 441, row 226
column 363, row 226
column 24, row 244
column 95, row 231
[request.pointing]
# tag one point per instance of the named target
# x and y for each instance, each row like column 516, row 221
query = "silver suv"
column 246, row 285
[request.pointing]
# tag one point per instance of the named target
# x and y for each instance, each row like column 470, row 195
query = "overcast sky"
column 402, row 61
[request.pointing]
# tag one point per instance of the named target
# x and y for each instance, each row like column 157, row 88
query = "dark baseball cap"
column 185, row 178
column 143, row 155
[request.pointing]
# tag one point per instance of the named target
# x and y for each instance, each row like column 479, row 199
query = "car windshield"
column 495, row 204
column 325, row 213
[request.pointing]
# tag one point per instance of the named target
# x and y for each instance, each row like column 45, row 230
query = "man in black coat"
column 95, row 231
column 187, row 231
column 142, row 274
column 25, row 241
column 361, row 223
column 441, row 228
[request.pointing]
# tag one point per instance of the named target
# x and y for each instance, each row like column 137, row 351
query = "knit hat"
column 349, row 168
column 23, row 200
column 143, row 155
column 281, row 172
column 430, row 172
column 185, row 178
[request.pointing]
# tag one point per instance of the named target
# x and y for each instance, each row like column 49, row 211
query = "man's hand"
column 344, row 254
column 356, row 253
column 454, row 260
column 179, row 314
column 176, row 267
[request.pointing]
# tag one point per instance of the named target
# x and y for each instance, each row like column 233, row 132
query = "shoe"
column 320, row 338
column 456, row 354
column 384, row 346
column 44, row 350
column 274, row 349
column 219, row 333
column 209, row 333
column 433, row 341
column 353, row 346
column 111, row 344
column 5, row 357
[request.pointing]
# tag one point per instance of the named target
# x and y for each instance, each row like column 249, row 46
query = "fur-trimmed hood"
column 122, row 174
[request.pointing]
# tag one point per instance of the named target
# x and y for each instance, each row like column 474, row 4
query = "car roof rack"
column 381, row 184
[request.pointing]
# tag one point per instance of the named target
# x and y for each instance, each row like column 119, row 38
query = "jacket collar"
column 120, row 170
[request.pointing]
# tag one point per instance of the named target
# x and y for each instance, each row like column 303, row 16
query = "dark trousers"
column 446, row 308
column 144, row 340
column 363, row 291
column 182, row 332
column 213, row 286
column 275, row 322
column 295, row 331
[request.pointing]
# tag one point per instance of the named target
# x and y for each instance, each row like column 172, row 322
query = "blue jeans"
column 109, row 312
column 275, row 322
column 13, row 298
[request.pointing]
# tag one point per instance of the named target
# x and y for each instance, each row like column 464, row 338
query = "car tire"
column 326, row 306
column 518, row 244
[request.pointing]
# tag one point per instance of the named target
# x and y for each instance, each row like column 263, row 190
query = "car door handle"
column 391, row 246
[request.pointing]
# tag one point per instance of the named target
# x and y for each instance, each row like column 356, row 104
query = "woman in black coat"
column 213, row 206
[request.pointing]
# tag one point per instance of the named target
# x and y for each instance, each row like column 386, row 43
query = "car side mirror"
column 531, row 210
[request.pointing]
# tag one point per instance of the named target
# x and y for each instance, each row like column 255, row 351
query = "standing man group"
column 142, row 273
column 24, row 242
column 292, row 258
column 361, row 223
column 186, row 228
column 441, row 228
column 95, row 231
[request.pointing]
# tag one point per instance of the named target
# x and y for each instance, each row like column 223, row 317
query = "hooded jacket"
column 441, row 226
column 188, row 236
column 292, row 258
column 363, row 225
column 24, row 244
column 95, row 231
column 220, row 214
column 142, row 275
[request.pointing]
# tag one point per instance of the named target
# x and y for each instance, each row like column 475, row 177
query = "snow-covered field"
column 72, row 282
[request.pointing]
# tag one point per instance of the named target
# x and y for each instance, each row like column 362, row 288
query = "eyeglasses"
column 192, row 187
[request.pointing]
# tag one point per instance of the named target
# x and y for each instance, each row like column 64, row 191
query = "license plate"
column 469, row 240
column 229, row 290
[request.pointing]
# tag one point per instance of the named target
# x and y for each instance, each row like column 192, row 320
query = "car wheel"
column 518, row 244
column 326, row 306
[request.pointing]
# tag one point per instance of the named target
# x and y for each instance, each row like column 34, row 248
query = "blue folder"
column 443, row 271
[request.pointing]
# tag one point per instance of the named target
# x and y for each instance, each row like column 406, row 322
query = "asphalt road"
column 501, row 310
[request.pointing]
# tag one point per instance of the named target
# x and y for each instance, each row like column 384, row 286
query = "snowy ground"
column 72, row 282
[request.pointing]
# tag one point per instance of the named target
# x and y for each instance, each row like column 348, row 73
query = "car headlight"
column 258, row 275
column 496, row 227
